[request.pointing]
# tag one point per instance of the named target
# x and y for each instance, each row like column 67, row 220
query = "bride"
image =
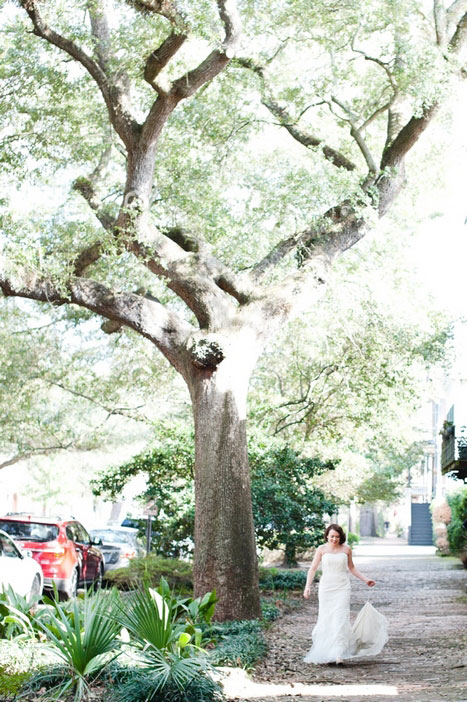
column 334, row 639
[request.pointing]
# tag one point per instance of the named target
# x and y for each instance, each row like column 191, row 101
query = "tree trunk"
column 290, row 556
column 225, row 550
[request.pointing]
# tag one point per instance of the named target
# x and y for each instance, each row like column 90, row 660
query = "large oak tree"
column 165, row 101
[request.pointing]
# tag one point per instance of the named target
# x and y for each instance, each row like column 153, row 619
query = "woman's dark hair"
column 340, row 531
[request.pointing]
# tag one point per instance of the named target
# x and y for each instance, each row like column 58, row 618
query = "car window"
column 71, row 532
column 82, row 536
column 29, row 531
column 110, row 536
column 7, row 548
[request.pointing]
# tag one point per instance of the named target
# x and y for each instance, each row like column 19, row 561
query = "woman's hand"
column 307, row 592
column 370, row 583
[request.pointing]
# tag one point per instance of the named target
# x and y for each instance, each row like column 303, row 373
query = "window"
column 8, row 549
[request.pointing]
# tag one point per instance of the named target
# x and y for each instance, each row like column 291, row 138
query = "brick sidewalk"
column 424, row 598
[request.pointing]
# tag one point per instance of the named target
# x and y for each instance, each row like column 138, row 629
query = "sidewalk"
column 374, row 547
column 424, row 598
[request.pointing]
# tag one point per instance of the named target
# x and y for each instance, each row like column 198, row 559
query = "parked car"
column 18, row 569
column 63, row 548
column 118, row 545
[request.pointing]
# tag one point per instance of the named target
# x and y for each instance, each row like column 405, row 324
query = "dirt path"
column 424, row 598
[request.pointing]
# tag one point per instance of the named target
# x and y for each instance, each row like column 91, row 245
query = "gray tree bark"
column 225, row 549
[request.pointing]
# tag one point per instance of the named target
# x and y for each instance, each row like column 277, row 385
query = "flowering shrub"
column 442, row 513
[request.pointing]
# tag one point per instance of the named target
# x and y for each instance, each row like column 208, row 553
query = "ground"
column 424, row 598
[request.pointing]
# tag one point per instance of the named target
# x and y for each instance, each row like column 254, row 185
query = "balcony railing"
column 454, row 449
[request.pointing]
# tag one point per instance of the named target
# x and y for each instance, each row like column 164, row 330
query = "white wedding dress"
column 333, row 636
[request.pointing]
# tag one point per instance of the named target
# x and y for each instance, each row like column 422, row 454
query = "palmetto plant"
column 163, row 629
column 17, row 614
column 83, row 636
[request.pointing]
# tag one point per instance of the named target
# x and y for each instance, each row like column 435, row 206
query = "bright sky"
column 440, row 246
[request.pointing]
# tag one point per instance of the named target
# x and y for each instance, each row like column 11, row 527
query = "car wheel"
column 72, row 588
column 35, row 587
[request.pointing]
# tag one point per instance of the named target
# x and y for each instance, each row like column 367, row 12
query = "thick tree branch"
column 306, row 138
column 341, row 227
column 86, row 187
column 101, row 33
column 454, row 14
column 439, row 14
column 459, row 37
column 217, row 60
column 161, row 326
column 164, row 8
column 161, row 57
column 206, row 286
column 123, row 123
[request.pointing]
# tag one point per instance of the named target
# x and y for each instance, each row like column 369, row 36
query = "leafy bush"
column 149, row 570
column 269, row 610
column 165, row 631
column 277, row 579
column 352, row 539
column 82, row 635
column 135, row 685
column 17, row 614
column 457, row 528
column 11, row 683
column 288, row 509
column 239, row 644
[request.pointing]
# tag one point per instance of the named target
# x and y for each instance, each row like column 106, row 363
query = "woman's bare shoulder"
column 346, row 548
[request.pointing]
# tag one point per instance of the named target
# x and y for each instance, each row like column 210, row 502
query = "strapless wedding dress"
column 333, row 636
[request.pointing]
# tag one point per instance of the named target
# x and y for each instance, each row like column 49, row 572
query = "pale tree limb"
column 356, row 133
column 164, row 8
column 454, row 14
column 101, row 33
column 439, row 14
column 42, row 451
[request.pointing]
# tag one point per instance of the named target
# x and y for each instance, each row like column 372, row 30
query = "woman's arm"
column 356, row 572
column 311, row 572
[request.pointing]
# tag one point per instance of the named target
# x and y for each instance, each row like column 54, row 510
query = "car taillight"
column 129, row 554
column 54, row 552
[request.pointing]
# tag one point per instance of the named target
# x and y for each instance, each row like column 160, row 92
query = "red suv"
column 63, row 548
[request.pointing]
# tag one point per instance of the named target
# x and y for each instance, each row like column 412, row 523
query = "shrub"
column 442, row 513
column 277, row 579
column 352, row 539
column 82, row 636
column 17, row 614
column 269, row 610
column 240, row 644
column 135, row 685
column 457, row 528
column 164, row 630
column 149, row 570
column 11, row 683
